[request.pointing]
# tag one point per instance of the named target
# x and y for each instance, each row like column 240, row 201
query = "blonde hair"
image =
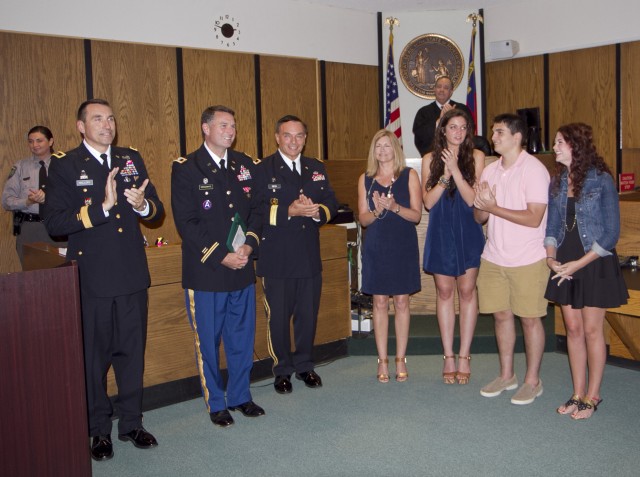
column 399, row 162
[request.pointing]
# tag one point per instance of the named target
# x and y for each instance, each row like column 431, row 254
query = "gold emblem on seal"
column 425, row 59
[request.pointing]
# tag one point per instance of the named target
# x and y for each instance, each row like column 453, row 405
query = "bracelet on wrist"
column 444, row 182
column 397, row 209
column 375, row 214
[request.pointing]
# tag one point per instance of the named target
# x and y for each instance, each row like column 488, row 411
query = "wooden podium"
column 43, row 411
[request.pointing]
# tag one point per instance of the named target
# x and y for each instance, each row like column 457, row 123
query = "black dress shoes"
column 140, row 438
column 282, row 384
column 101, row 448
column 249, row 409
column 221, row 418
column 310, row 378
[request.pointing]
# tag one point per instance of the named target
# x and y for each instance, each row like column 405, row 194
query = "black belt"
column 24, row 217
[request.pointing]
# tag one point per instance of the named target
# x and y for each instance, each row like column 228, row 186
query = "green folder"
column 237, row 234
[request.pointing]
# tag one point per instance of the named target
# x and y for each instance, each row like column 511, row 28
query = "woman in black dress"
column 583, row 227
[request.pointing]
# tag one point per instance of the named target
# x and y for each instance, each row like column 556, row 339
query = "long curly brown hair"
column 466, row 162
column 584, row 156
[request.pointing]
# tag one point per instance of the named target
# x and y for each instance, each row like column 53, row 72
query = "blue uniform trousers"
column 230, row 317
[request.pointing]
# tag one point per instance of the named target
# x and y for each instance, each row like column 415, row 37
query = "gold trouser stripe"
column 84, row 216
column 267, row 311
column 209, row 252
column 326, row 212
column 273, row 215
column 255, row 236
column 196, row 343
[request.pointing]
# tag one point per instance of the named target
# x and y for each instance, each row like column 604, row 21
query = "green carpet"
column 354, row 426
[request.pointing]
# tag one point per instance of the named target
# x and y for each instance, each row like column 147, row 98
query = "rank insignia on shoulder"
column 319, row 160
column 180, row 160
column 133, row 148
column 12, row 172
column 59, row 154
column 256, row 161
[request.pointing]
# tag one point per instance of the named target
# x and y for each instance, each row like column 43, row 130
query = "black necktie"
column 223, row 166
column 105, row 162
column 42, row 176
column 295, row 169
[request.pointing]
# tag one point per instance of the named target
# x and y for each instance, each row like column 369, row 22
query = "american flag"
column 471, row 78
column 392, row 116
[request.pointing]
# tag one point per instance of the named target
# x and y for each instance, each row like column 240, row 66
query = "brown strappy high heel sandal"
column 383, row 378
column 401, row 377
column 463, row 378
column 450, row 377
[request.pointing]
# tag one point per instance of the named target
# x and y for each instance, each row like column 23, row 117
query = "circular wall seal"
column 425, row 59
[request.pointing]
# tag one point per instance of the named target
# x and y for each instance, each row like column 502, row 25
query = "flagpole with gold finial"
column 392, row 109
column 473, row 18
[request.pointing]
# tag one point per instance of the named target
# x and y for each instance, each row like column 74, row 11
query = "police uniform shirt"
column 23, row 177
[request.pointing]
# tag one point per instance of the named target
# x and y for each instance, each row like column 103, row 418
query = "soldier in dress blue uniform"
column 97, row 195
column 298, row 201
column 209, row 188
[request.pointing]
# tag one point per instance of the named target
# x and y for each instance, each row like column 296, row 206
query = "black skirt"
column 600, row 284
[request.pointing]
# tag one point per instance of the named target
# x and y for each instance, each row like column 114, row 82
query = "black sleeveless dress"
column 600, row 284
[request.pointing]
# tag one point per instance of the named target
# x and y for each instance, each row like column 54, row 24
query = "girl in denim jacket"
column 583, row 227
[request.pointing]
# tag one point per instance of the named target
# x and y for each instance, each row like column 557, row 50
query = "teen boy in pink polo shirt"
column 512, row 195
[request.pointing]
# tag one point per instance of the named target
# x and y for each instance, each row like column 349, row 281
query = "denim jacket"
column 597, row 213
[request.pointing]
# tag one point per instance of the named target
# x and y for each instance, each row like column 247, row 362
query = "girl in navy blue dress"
column 454, row 240
column 389, row 206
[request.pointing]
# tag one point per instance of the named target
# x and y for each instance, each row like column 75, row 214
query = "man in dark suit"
column 97, row 194
column 299, row 200
column 208, row 189
column 427, row 117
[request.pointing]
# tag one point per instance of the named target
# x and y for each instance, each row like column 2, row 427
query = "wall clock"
column 425, row 59
column 227, row 30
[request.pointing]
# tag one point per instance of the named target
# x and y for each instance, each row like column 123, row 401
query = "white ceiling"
column 373, row 6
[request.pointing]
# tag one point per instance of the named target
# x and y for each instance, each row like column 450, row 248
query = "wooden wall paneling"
column 515, row 84
column 218, row 77
column 352, row 109
column 140, row 83
column 630, row 73
column 582, row 88
column 290, row 86
column 42, row 82
column 631, row 162
column 344, row 174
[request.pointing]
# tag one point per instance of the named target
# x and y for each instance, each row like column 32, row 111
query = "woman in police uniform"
column 25, row 189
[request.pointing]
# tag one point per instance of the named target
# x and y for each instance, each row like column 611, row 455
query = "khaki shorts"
column 519, row 289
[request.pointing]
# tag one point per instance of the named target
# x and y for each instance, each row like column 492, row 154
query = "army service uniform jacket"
column 110, row 250
column 290, row 246
column 205, row 200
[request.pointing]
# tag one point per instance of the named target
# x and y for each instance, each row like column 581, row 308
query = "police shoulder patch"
column 59, row 154
column 12, row 172
column 180, row 160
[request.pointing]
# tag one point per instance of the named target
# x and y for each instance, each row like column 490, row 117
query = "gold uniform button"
column 80, row 252
column 117, row 216
column 120, row 230
column 84, row 190
column 231, row 206
column 228, row 192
